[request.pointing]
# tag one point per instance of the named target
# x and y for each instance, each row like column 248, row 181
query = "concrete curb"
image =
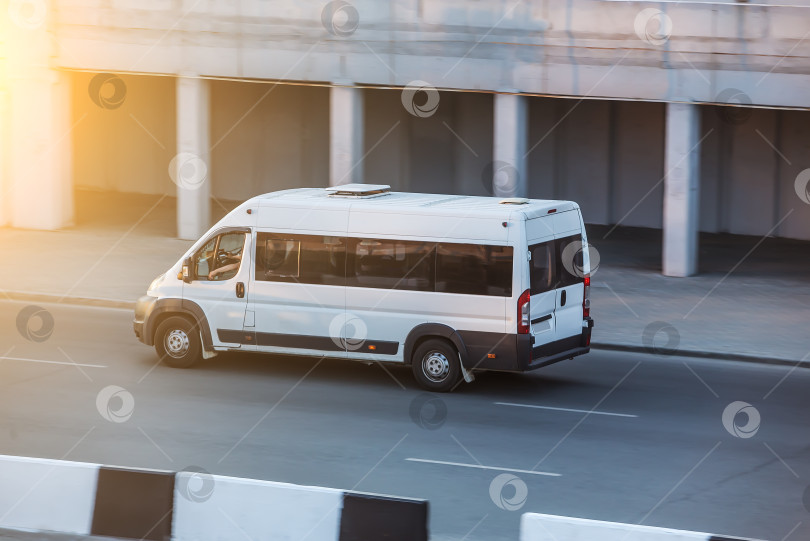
column 83, row 499
column 539, row 527
column 49, row 298
column 703, row 355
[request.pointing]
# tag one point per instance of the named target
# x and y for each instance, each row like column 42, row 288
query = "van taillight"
column 586, row 299
column 524, row 313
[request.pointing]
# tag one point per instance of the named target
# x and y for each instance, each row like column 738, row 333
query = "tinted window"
column 569, row 261
column 385, row 264
column 474, row 269
column 306, row 259
column 323, row 260
column 277, row 258
column 391, row 264
column 541, row 267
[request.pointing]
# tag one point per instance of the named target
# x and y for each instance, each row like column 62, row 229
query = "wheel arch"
column 165, row 308
column 426, row 331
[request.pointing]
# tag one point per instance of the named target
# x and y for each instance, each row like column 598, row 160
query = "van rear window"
column 570, row 261
column 556, row 263
column 541, row 266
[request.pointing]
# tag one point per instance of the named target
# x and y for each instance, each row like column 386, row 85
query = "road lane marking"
column 565, row 409
column 51, row 362
column 480, row 467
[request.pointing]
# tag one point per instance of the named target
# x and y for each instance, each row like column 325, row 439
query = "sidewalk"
column 738, row 307
column 20, row 535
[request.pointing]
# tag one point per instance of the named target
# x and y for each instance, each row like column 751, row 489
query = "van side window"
column 541, row 267
column 569, row 261
column 391, row 264
column 277, row 258
column 471, row 269
column 305, row 259
column 220, row 258
column 204, row 260
column 323, row 260
column 474, row 269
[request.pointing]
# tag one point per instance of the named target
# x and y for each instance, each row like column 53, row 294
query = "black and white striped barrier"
column 538, row 527
column 90, row 499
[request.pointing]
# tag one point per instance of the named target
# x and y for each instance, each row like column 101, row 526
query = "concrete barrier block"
column 368, row 517
column 136, row 504
column 49, row 495
column 539, row 527
column 257, row 510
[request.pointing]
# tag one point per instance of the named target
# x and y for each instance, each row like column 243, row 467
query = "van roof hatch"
column 359, row 190
column 514, row 201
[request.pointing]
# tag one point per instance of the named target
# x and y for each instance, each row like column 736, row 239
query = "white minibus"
column 447, row 284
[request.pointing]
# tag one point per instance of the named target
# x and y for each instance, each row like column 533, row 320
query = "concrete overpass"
column 630, row 108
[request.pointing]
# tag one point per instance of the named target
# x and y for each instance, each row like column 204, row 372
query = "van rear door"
column 542, row 279
column 571, row 270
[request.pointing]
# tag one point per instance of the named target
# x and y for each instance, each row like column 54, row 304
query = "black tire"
column 435, row 366
column 177, row 342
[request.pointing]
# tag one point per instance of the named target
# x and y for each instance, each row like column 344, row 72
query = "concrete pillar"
column 37, row 186
column 681, row 181
column 5, row 183
column 190, row 169
column 345, row 135
column 509, row 170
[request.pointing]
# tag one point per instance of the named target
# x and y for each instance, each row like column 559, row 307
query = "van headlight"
column 155, row 283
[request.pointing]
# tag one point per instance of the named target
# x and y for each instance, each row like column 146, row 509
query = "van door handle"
column 562, row 298
column 240, row 289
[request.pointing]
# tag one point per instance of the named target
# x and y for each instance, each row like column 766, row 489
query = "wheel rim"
column 435, row 366
column 176, row 343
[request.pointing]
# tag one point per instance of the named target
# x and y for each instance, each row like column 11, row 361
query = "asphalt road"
column 654, row 450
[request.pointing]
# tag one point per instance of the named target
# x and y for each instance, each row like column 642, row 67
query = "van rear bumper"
column 546, row 360
column 516, row 353
column 530, row 358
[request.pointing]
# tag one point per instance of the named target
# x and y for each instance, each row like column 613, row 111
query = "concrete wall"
column 264, row 137
column 607, row 155
column 128, row 147
column 749, row 162
column 795, row 145
column 446, row 152
column 574, row 48
column 267, row 137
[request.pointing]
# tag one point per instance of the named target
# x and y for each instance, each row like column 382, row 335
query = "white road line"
column 564, row 409
column 51, row 362
column 478, row 466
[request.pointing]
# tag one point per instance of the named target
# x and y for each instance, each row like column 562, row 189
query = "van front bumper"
column 143, row 309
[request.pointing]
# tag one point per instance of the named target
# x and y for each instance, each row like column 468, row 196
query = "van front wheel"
column 435, row 365
column 177, row 342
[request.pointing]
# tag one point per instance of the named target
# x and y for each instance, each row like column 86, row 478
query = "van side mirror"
column 185, row 274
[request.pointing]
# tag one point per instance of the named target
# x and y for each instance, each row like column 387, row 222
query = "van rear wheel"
column 435, row 366
column 177, row 342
